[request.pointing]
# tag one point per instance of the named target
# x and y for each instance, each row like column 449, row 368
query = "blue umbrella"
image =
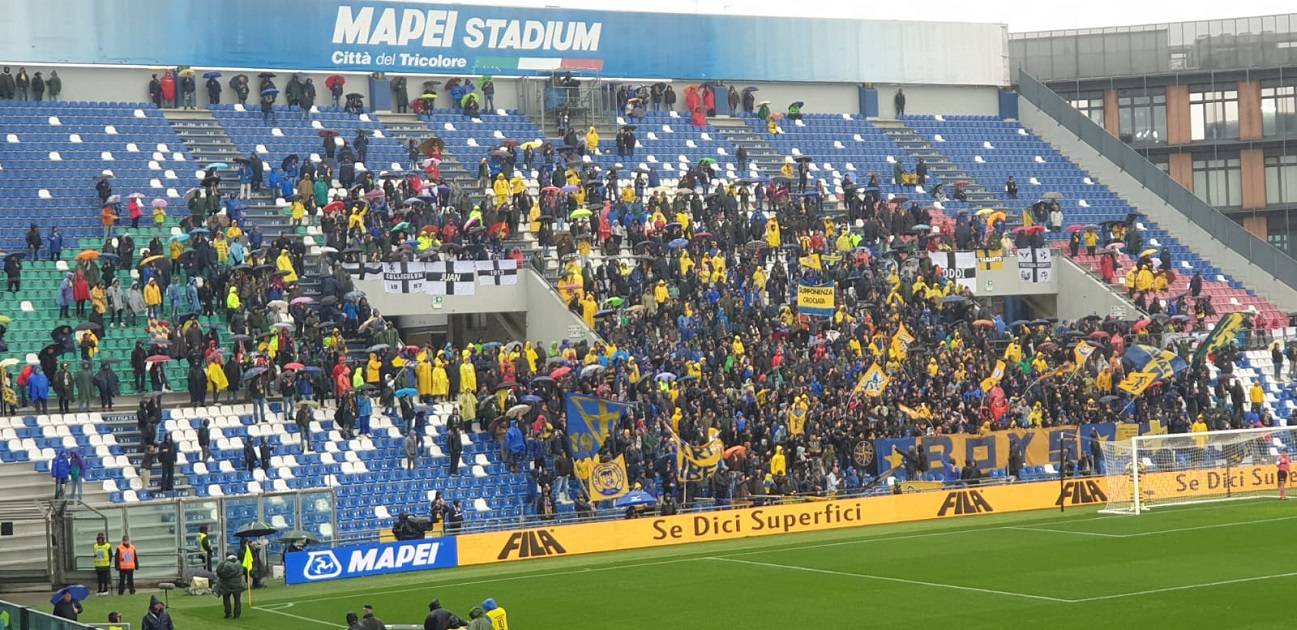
column 253, row 373
column 180, row 238
column 666, row 376
column 200, row 232
column 270, row 92
column 218, row 165
column 531, row 399
column 570, row 188
column 211, row 75
column 311, row 369
column 678, row 243
column 78, row 592
column 407, row 392
column 635, row 498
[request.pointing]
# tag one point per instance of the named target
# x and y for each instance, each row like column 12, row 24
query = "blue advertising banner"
column 589, row 420
column 509, row 41
column 340, row 563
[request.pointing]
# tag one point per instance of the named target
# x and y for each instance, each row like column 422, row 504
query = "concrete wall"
column 1081, row 294
column 1133, row 192
column 547, row 319
column 939, row 99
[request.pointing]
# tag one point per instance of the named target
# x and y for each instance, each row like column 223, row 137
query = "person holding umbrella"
column 213, row 87
column 66, row 605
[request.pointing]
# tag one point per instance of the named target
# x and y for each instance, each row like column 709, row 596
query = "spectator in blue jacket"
column 56, row 244
column 364, row 409
column 515, row 446
column 60, row 469
column 38, row 390
column 65, row 298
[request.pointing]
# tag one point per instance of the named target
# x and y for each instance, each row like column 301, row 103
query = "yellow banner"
column 1136, row 382
column 872, row 383
column 567, row 540
column 813, row 300
column 1207, row 482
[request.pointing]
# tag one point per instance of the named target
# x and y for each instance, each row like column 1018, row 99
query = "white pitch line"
column 1065, row 531
column 310, row 619
column 1187, row 587
column 884, row 578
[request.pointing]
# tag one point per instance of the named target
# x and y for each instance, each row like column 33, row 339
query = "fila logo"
column 531, row 544
column 964, row 502
column 1081, row 493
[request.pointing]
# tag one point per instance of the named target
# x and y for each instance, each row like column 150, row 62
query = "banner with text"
column 339, row 563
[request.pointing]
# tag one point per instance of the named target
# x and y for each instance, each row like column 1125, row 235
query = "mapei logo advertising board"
column 339, row 563
column 808, row 516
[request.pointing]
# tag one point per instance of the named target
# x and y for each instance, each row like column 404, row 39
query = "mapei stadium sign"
column 455, row 39
column 322, row 565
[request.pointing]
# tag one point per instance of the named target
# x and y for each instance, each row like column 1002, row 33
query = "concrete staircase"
column 766, row 158
column 406, row 127
column 206, row 140
column 940, row 168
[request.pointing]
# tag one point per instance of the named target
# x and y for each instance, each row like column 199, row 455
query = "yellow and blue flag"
column 1224, row 333
column 815, row 300
column 1136, row 382
column 589, row 422
column 693, row 463
column 608, row 480
column 872, row 383
column 1162, row 364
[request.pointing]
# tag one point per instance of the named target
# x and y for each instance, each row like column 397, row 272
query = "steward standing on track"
column 127, row 562
column 103, row 564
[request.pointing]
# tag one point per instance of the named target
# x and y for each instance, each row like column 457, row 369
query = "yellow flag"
column 247, row 558
column 1081, row 353
column 608, row 480
column 991, row 381
column 1136, row 382
column 872, row 383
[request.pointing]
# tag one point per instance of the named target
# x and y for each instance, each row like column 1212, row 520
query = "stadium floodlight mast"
column 1154, row 471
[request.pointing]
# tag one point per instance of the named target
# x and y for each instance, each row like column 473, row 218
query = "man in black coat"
column 265, row 452
column 441, row 619
column 899, row 102
column 155, row 90
column 6, row 84
column 249, row 455
column 167, row 458
column 454, row 447
column 213, row 91
column 38, row 87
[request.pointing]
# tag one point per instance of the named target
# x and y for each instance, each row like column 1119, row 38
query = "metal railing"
column 16, row 617
column 1229, row 233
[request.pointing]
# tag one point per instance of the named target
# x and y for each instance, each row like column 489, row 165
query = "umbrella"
column 560, row 373
column 159, row 203
column 200, row 232
column 327, row 133
column 1114, row 247
column 379, row 347
column 678, row 243
column 518, row 411
column 266, row 75
column 580, row 213
column 112, row 199
column 211, row 75
column 541, row 380
column 503, row 386
column 614, row 302
column 89, row 326
column 254, row 373
column 157, row 358
column 293, row 366
column 590, row 370
column 954, row 299
column 635, row 498
column 302, row 301
column 407, row 392
column 299, row 535
column 217, row 165
column 666, row 376
column 270, row 92
column 1141, row 325
column 77, row 591
column 920, row 228
column 88, row 254
column 530, row 399
column 334, row 79
column 278, row 305
column 569, row 188
column 255, row 529
column 402, row 226
column 284, row 325
column 8, row 363
column 374, row 194
column 983, row 323
column 1108, row 399
column 1152, row 251
column 1075, row 228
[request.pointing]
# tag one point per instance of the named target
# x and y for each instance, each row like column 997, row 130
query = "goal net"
column 1151, row 471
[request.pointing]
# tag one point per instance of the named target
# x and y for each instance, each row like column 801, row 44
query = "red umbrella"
column 1075, row 228
column 158, row 358
column 1036, row 229
column 334, row 80
column 1141, row 325
column 1098, row 335
column 294, row 366
column 560, row 373
column 327, row 133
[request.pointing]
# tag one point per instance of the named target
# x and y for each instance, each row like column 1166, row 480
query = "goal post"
column 1152, row 471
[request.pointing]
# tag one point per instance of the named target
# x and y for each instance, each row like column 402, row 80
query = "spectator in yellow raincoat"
column 285, row 264
column 234, row 231
column 501, row 189
column 440, row 380
column 660, row 293
column 518, row 185
column 222, row 248
column 467, row 376
column 423, row 374
column 772, row 233
column 298, row 212
column 1143, row 280
column 216, row 381
column 588, row 309
column 778, row 463
column 373, row 369
column 592, row 140
column 532, row 356
column 232, row 299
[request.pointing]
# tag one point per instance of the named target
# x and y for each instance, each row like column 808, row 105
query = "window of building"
column 1281, row 179
column 1213, row 115
column 1142, row 115
column 1090, row 104
column 1219, row 181
column 1278, row 110
column 1279, row 230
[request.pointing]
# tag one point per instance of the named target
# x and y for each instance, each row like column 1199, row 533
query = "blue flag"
column 589, row 421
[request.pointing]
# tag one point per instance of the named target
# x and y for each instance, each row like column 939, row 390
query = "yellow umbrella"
column 997, row 216
column 1148, row 252
column 985, row 211
column 88, row 254
column 8, row 363
column 150, row 259
column 6, row 320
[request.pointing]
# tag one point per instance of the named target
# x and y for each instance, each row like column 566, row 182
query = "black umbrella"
column 299, row 535
column 265, row 75
column 255, row 529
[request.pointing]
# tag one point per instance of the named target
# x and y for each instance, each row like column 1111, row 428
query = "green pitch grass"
column 1208, row 566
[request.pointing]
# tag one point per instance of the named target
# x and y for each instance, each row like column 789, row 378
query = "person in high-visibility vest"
column 499, row 618
column 104, row 563
column 114, row 618
column 127, row 562
column 205, row 547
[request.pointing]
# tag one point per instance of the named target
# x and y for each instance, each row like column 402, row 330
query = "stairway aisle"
column 766, row 158
column 940, row 168
column 406, row 127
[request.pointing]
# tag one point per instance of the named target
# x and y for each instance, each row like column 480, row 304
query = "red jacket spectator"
column 168, row 87
column 80, row 288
